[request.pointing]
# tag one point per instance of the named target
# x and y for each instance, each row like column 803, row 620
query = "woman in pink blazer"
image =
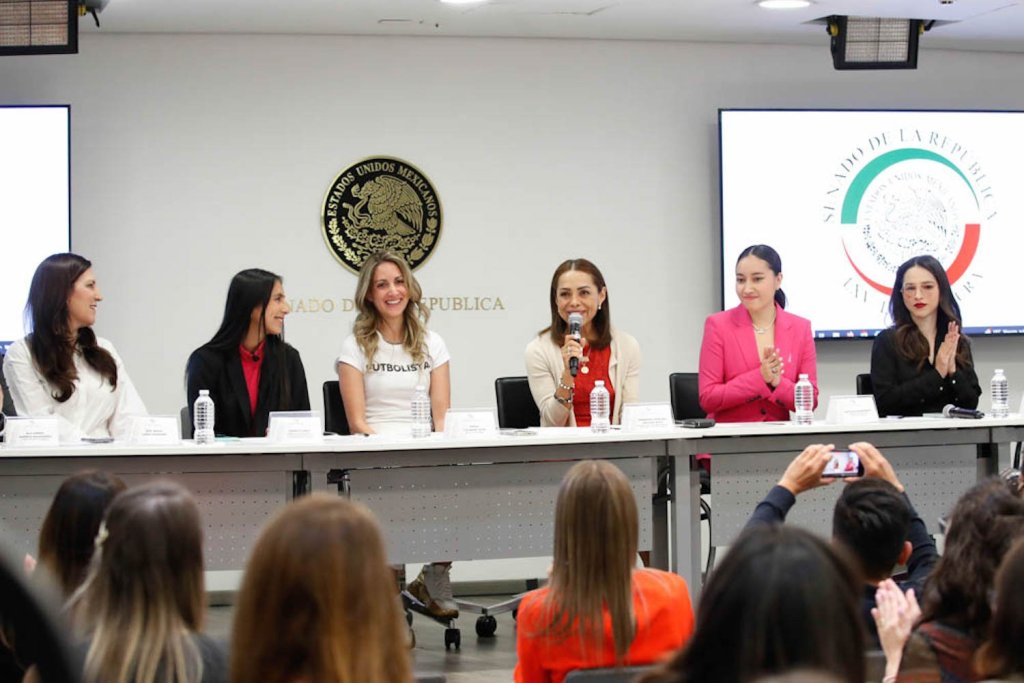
column 753, row 354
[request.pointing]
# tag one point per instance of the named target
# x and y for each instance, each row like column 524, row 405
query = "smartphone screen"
column 843, row 464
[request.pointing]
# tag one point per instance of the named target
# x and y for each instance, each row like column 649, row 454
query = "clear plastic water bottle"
column 1000, row 395
column 203, row 415
column 803, row 400
column 599, row 408
column 421, row 422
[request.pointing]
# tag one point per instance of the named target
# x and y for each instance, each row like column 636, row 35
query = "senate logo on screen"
column 907, row 192
column 381, row 203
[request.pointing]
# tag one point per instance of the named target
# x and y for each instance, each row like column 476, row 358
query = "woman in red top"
column 598, row 610
column 601, row 351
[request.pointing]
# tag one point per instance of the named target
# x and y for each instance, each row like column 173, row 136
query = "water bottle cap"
column 599, row 383
column 420, row 387
column 803, row 375
column 999, row 371
column 204, row 392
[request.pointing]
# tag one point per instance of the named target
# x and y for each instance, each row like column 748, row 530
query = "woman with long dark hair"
column 1001, row 656
column 753, row 354
column 248, row 368
column 923, row 362
column 61, row 367
column 601, row 352
column 599, row 609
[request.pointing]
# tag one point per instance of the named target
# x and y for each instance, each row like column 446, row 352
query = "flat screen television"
column 35, row 201
column 846, row 196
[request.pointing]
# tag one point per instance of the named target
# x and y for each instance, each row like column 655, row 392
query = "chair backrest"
column 625, row 674
column 864, row 386
column 335, row 420
column 685, row 393
column 423, row 677
column 516, row 409
column 186, row 423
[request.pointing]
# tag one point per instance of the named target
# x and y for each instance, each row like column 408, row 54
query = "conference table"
column 493, row 496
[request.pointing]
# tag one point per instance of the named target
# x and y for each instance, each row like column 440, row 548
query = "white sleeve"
column 128, row 400
column 351, row 354
column 437, row 350
column 31, row 392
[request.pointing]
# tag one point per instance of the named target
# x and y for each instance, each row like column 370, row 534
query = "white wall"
column 196, row 156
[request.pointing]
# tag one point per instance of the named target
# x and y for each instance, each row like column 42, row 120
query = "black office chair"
column 335, row 420
column 624, row 674
column 684, row 390
column 864, row 386
column 32, row 614
column 186, row 422
column 516, row 408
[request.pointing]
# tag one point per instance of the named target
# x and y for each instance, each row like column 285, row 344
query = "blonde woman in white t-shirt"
column 389, row 353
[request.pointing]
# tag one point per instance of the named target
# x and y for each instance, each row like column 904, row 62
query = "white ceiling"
column 974, row 24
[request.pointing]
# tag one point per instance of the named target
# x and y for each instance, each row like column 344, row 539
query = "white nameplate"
column 647, row 417
column 32, row 432
column 155, row 430
column 851, row 410
column 474, row 422
column 301, row 426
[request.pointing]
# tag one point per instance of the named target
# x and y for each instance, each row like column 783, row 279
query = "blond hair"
column 319, row 576
column 368, row 319
column 144, row 593
column 596, row 536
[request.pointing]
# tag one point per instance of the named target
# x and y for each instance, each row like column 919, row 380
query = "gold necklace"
column 762, row 330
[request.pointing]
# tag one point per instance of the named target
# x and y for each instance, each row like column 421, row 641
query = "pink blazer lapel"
column 743, row 340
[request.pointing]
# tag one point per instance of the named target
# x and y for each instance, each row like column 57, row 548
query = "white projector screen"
column 845, row 197
column 35, row 201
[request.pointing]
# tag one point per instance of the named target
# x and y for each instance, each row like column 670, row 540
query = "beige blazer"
column 544, row 367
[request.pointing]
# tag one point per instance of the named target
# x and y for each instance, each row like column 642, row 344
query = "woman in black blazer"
column 922, row 363
column 248, row 368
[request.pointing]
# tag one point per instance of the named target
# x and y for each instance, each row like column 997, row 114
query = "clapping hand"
column 895, row 616
column 945, row 357
column 771, row 366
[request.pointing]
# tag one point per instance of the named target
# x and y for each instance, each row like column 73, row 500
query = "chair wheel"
column 452, row 636
column 486, row 626
column 515, row 614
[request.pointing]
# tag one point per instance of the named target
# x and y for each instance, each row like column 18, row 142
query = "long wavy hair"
column 319, row 575
column 596, row 536
column 251, row 289
column 50, row 341
column 368, row 319
column 1001, row 656
column 602, row 320
column 908, row 340
column 984, row 524
column 144, row 592
column 782, row 599
column 67, row 537
column 774, row 261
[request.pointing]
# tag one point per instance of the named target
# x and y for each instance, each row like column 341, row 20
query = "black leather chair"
column 624, row 674
column 864, row 386
column 683, row 388
column 335, row 420
column 516, row 409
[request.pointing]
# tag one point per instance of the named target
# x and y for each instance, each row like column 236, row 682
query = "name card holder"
column 647, row 417
column 32, row 432
column 470, row 423
column 851, row 410
column 300, row 426
column 155, row 430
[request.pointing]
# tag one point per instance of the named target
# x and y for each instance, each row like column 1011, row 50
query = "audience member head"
column 318, row 576
column 1001, row 656
column 872, row 520
column 759, row 278
column 255, row 301
column 596, row 531
column 61, row 309
column 388, row 296
column 782, row 599
column 578, row 286
column 144, row 592
column 68, row 534
column 984, row 523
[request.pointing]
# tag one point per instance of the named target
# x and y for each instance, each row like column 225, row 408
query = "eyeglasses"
column 926, row 288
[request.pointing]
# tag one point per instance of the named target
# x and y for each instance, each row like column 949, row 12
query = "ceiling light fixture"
column 874, row 42
column 783, row 4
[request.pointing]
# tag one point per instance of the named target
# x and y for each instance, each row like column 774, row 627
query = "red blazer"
column 731, row 386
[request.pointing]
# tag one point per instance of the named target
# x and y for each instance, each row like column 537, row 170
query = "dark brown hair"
column 602, row 320
column 50, row 341
column 908, row 340
column 318, row 602
column 984, row 523
column 1001, row 656
column 68, row 535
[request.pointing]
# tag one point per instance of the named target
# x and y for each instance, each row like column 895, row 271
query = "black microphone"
column 575, row 326
column 962, row 413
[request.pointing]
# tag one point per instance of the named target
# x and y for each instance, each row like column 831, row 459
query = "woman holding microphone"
column 752, row 355
column 563, row 365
